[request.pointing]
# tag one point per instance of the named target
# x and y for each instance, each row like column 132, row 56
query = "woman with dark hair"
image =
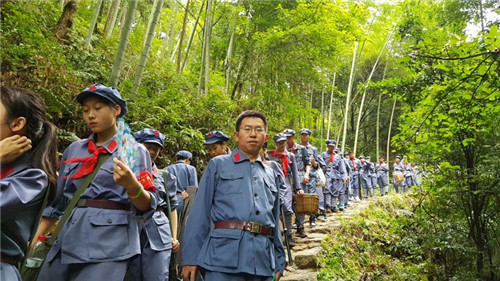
column 28, row 160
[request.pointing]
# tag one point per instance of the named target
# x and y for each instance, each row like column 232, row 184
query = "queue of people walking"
column 119, row 221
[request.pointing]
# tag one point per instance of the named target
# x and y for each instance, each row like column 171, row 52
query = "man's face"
column 331, row 148
column 398, row 160
column 304, row 138
column 280, row 146
column 251, row 136
column 290, row 140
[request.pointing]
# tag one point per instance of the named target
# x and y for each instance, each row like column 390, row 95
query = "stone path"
column 307, row 250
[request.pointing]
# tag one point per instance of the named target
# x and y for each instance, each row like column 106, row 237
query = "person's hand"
column 184, row 195
column 278, row 276
column 175, row 245
column 13, row 147
column 306, row 179
column 123, row 175
column 300, row 192
column 189, row 272
column 313, row 161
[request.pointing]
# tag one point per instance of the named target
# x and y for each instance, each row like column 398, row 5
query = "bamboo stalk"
column 330, row 110
column 349, row 89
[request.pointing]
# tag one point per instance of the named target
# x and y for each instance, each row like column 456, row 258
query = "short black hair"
column 250, row 113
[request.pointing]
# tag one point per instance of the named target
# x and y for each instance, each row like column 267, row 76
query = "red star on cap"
column 157, row 133
column 93, row 88
column 209, row 134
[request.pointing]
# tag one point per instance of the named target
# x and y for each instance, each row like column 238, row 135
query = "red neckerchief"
column 354, row 164
column 90, row 162
column 283, row 156
column 331, row 156
column 6, row 171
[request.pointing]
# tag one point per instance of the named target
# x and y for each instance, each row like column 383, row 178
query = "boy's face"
column 153, row 149
column 98, row 115
column 216, row 149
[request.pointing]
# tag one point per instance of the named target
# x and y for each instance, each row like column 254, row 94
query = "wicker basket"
column 306, row 204
column 399, row 177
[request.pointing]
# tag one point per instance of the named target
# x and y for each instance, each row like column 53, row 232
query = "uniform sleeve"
column 145, row 164
column 171, row 187
column 320, row 160
column 193, row 177
column 198, row 222
column 305, row 159
column 278, row 244
column 21, row 190
column 343, row 170
column 295, row 174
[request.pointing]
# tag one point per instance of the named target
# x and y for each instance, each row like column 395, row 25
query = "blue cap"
column 331, row 143
column 368, row 157
column 361, row 158
column 109, row 93
column 150, row 136
column 305, row 131
column 214, row 137
column 279, row 137
column 346, row 154
column 289, row 132
column 184, row 154
column 397, row 156
column 336, row 150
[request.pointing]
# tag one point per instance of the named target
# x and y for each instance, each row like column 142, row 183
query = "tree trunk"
column 61, row 3
column 389, row 134
column 227, row 60
column 65, row 22
column 330, row 110
column 147, row 47
column 171, row 36
column 111, row 18
column 97, row 9
column 208, row 36
column 166, row 40
column 188, row 47
column 115, row 73
column 378, row 114
column 364, row 95
column 322, row 118
column 181, row 39
column 349, row 89
column 150, row 20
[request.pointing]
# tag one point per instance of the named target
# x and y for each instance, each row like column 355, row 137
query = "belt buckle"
column 255, row 228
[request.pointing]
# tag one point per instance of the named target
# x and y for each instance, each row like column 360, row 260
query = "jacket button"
column 110, row 221
column 255, row 194
column 257, row 213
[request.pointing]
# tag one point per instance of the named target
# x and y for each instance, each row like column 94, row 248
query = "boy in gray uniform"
column 336, row 176
column 373, row 176
column 382, row 170
column 347, row 184
column 316, row 163
column 354, row 167
column 408, row 172
column 288, row 166
column 365, row 177
column 398, row 169
column 303, row 167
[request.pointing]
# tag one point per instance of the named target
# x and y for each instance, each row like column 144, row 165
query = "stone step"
column 300, row 275
column 307, row 258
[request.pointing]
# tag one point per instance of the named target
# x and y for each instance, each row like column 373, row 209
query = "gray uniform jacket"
column 366, row 169
column 336, row 169
column 292, row 178
column 93, row 234
column 185, row 174
column 234, row 189
column 22, row 190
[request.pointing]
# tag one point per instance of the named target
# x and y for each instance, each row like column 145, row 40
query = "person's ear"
column 117, row 110
column 18, row 125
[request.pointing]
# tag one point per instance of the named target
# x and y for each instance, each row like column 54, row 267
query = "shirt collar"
column 110, row 145
column 237, row 156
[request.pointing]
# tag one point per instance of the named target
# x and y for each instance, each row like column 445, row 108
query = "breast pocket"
column 104, row 176
column 108, row 236
column 159, row 232
column 230, row 183
column 272, row 188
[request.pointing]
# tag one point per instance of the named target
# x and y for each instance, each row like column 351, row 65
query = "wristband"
column 138, row 194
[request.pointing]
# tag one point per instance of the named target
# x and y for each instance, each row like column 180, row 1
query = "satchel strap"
column 85, row 183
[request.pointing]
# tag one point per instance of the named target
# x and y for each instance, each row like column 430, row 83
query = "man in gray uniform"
column 186, row 176
column 398, row 169
column 373, row 175
column 233, row 228
column 316, row 163
column 354, row 167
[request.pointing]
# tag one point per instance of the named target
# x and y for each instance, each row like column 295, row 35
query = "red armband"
column 146, row 179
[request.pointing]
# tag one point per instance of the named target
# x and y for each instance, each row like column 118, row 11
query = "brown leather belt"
column 160, row 209
column 101, row 204
column 252, row 227
column 7, row 259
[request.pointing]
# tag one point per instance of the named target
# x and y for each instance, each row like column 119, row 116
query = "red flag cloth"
column 6, row 170
column 283, row 156
column 90, row 162
column 331, row 156
column 146, row 179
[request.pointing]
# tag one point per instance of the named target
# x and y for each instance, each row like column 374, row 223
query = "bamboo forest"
column 412, row 79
